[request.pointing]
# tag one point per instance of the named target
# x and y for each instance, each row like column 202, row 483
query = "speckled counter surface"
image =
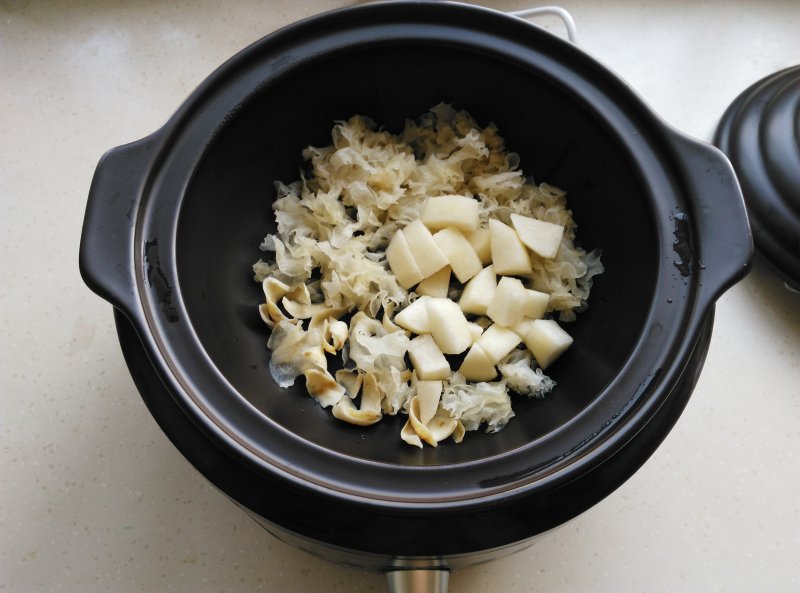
column 93, row 497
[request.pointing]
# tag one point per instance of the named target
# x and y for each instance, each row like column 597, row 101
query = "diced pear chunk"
column 414, row 318
column 429, row 393
column 436, row 285
column 475, row 331
column 543, row 238
column 497, row 341
column 509, row 255
column 427, row 255
column 535, row 304
column 429, row 362
column 462, row 257
column 481, row 242
column 507, row 306
column 523, row 327
column 448, row 326
column 402, row 261
column 547, row 341
column 478, row 292
column 460, row 212
column 477, row 366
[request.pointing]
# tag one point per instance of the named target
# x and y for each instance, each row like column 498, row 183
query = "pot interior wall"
column 226, row 213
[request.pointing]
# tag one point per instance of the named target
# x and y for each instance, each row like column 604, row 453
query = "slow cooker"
column 173, row 224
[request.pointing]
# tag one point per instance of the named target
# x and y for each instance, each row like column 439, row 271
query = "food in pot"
column 429, row 269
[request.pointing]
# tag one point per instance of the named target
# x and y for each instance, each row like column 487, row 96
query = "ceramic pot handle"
column 724, row 247
column 107, row 257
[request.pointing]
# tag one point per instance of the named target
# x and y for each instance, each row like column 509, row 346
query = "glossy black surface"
column 760, row 133
column 172, row 228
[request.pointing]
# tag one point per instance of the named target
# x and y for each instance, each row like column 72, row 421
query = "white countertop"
column 95, row 498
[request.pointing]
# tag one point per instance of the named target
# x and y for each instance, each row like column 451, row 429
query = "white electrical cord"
column 561, row 13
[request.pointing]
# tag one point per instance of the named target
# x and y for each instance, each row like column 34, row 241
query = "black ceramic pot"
column 173, row 224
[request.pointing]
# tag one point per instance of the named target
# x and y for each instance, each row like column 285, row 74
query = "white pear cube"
column 429, row 362
column 477, row 366
column 460, row 212
column 507, row 306
column 543, row 238
column 509, row 256
column 429, row 393
column 448, row 326
column 535, row 304
column 414, row 318
column 497, row 341
column 478, row 292
column 523, row 328
column 481, row 241
column 475, row 331
column 436, row 285
column 547, row 341
column 402, row 261
column 462, row 257
column 427, row 255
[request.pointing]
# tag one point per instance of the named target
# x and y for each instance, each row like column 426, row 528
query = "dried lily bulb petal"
column 323, row 388
column 301, row 310
column 339, row 332
column 458, row 432
column 318, row 319
column 370, row 395
column 409, row 436
column 314, row 356
column 274, row 290
column 268, row 312
column 326, row 344
column 299, row 294
column 388, row 324
column 346, row 410
column 442, row 425
column 334, row 332
column 334, row 335
column 428, row 394
column 350, row 380
column 418, row 426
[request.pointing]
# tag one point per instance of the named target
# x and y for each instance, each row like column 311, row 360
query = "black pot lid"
column 760, row 133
